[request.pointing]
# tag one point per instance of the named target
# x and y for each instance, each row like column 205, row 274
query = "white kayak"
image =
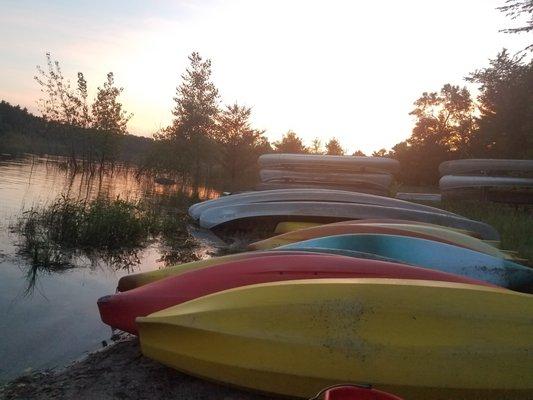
column 449, row 182
column 313, row 210
column 269, row 175
column 283, row 195
column 470, row 166
column 317, row 160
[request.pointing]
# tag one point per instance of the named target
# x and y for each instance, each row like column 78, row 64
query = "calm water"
column 57, row 320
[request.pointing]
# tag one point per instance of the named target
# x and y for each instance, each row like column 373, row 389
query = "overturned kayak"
column 480, row 166
column 132, row 281
column 343, row 178
column 361, row 187
column 418, row 339
column 330, row 211
column 430, row 254
column 354, row 163
column 450, row 182
column 420, row 231
column 120, row 310
column 281, row 195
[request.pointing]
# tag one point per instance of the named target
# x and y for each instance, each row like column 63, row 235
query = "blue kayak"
column 429, row 254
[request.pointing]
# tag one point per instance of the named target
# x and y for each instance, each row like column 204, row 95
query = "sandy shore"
column 121, row 372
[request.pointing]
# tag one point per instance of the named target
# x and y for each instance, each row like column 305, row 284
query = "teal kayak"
column 429, row 254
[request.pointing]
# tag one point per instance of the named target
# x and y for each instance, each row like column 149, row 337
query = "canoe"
column 133, row 281
column 450, row 182
column 459, row 167
column 269, row 175
column 331, row 162
column 120, row 310
column 362, row 187
column 411, row 230
column 418, row 339
column 430, row 254
column 353, row 392
column 329, row 212
column 338, row 196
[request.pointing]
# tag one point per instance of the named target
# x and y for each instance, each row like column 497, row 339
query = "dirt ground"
column 119, row 372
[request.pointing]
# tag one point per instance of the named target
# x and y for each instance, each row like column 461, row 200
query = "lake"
column 54, row 320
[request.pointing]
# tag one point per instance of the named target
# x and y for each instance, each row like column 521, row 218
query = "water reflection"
column 57, row 301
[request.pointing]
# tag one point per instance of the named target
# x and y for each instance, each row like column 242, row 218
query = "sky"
column 344, row 69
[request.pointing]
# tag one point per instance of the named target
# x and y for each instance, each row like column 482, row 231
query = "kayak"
column 417, row 339
column 420, row 231
column 289, row 226
column 328, row 162
column 132, row 281
column 218, row 216
column 430, row 254
column 336, row 196
column 459, row 167
column 343, row 178
column 353, row 392
column 450, row 182
column 120, row 310
column 360, row 187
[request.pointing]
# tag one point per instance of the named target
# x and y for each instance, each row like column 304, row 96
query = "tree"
column 505, row 124
column 333, row 147
column 358, row 153
column 290, row 143
column 380, row 153
column 516, row 9
column 241, row 144
column 195, row 112
column 316, row 146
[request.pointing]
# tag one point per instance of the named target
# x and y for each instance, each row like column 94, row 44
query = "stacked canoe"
column 389, row 298
column 372, row 175
column 509, row 181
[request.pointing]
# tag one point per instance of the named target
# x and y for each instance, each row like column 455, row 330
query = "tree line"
column 208, row 141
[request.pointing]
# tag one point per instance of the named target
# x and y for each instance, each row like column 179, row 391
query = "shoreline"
column 118, row 371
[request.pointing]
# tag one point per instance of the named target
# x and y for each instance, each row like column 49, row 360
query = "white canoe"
column 459, row 167
column 269, row 175
column 310, row 210
column 338, row 196
column 316, row 160
column 449, row 182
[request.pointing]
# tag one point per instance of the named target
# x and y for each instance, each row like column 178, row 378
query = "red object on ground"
column 356, row 393
column 120, row 310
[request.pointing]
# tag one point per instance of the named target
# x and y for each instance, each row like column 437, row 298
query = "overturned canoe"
column 460, row 167
column 417, row 339
column 411, row 230
column 326, row 161
column 327, row 195
column 330, row 211
column 450, row 182
column 120, row 310
column 270, row 175
column 430, row 254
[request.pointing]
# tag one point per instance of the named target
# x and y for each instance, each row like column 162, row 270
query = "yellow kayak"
column 429, row 232
column 417, row 339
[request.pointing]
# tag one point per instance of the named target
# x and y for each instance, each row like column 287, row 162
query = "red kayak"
column 353, row 392
column 120, row 310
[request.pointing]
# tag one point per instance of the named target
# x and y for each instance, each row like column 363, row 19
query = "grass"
column 514, row 223
column 113, row 230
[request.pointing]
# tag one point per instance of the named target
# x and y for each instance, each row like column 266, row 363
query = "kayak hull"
column 412, row 338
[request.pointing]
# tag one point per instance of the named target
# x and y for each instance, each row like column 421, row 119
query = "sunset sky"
column 349, row 69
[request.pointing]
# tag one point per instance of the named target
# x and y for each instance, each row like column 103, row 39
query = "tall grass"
column 54, row 235
column 514, row 223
